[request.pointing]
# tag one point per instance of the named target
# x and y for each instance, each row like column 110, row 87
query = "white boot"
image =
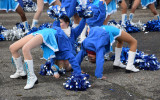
column 131, row 15
column 130, row 67
column 20, row 70
column 34, row 23
column 117, row 62
column 31, row 77
column 26, row 27
column 124, row 19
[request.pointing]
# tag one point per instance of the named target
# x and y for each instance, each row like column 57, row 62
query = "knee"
column 119, row 42
column 25, row 50
column 134, row 42
column 12, row 49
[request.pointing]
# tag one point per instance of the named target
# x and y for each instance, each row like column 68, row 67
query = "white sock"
column 124, row 18
column 131, row 16
column 25, row 23
column 34, row 23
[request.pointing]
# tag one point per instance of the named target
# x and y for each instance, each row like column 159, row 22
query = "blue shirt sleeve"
column 81, row 54
column 102, row 10
column 78, row 30
column 72, row 60
column 99, row 62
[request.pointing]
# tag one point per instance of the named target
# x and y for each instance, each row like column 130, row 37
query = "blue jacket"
column 65, row 51
column 75, row 32
column 98, row 41
column 99, row 11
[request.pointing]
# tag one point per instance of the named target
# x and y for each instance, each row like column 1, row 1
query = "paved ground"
column 144, row 85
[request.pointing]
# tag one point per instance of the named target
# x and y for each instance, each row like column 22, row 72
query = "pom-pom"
column 77, row 82
column 29, row 5
column 55, row 12
column 84, row 11
column 142, row 60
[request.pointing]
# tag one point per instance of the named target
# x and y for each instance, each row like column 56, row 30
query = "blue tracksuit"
column 65, row 51
column 99, row 40
column 75, row 32
column 57, row 44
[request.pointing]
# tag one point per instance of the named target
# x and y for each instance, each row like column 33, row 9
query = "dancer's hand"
column 103, row 78
column 56, row 75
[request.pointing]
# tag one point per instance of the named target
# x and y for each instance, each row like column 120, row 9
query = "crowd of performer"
column 58, row 43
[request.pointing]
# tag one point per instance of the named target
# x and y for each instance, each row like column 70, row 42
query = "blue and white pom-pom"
column 1, row 30
column 45, row 25
column 84, row 11
column 77, row 82
column 142, row 60
column 16, row 33
column 55, row 12
column 153, row 25
column 130, row 28
column 29, row 5
column 48, row 69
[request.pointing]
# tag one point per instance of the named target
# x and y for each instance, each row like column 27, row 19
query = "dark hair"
column 65, row 18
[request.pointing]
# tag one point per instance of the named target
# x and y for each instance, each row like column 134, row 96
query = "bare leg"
column 20, row 11
column 108, row 17
column 153, row 9
column 124, row 12
column 132, row 52
column 135, row 5
column 34, row 42
column 40, row 5
column 124, row 7
column 106, row 20
column 14, row 48
column 127, row 38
